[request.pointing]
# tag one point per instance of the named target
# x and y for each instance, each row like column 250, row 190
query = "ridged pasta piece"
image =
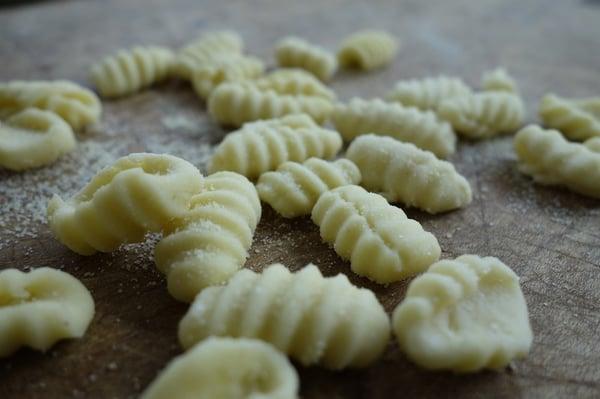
column 41, row 307
column 225, row 68
column 485, row 114
column 77, row 105
column 227, row 368
column 294, row 188
column 377, row 238
column 368, row 49
column 546, row 156
column 593, row 144
column 422, row 128
column 236, row 103
column 262, row 146
column 34, row 138
column 427, row 93
column 403, row 173
column 315, row 320
column 204, row 50
column 464, row 315
column 128, row 71
column 210, row 242
column 137, row 194
column 298, row 53
column 577, row 119
column 294, row 81
column 498, row 80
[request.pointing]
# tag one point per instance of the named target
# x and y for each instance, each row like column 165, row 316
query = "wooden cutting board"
column 550, row 237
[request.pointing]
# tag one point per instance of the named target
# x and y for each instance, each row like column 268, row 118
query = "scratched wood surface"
column 550, row 237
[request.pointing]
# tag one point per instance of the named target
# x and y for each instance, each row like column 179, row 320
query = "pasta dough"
column 484, row 115
column 264, row 145
column 427, row 93
column 403, row 173
column 226, row 368
column 210, row 242
column 137, row 194
column 41, row 307
column 593, row 144
column 236, row 103
column 577, row 119
column 546, row 156
column 311, row 318
column 34, row 138
column 464, row 315
column 226, row 68
column 77, row 105
column 128, row 71
column 294, row 82
column 294, row 188
column 368, row 49
column 296, row 52
column 204, row 50
column 381, row 243
column 422, row 128
column 498, row 80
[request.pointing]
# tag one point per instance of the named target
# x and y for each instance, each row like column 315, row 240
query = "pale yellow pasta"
column 484, row 115
column 577, row 119
column 464, row 315
column 137, row 194
column 34, row 138
column 403, row 173
column 498, row 80
column 422, row 128
column 41, row 307
column 546, row 156
column 204, row 50
column 368, row 49
column 294, row 81
column 262, row 146
column 427, row 93
column 77, row 105
column 593, row 144
column 210, row 242
column 298, row 53
column 315, row 320
column 237, row 103
column 129, row 71
column 226, row 368
column 294, row 188
column 225, row 68
column 377, row 238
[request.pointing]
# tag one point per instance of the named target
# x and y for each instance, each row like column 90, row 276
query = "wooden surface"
column 548, row 236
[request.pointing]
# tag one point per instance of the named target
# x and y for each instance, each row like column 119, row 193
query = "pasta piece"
column 428, row 93
column 313, row 319
column 593, row 144
column 422, row 128
column 295, row 82
column 381, row 243
column 226, row 368
column 546, row 156
column 225, row 68
column 294, row 188
column 464, row 315
column 137, row 194
column 234, row 104
column 498, row 80
column 368, row 49
column 204, row 50
column 577, row 119
column 210, row 242
column 34, row 138
column 403, row 173
column 77, row 105
column 262, row 146
column 484, row 115
column 129, row 71
column 298, row 53
column 41, row 307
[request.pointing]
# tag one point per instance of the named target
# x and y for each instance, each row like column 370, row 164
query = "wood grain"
column 548, row 236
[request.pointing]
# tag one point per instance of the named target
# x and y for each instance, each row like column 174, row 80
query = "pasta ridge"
column 427, row 93
column 499, row 80
column 368, row 49
column 293, row 81
column 576, row 119
column 296, row 52
column 225, row 68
